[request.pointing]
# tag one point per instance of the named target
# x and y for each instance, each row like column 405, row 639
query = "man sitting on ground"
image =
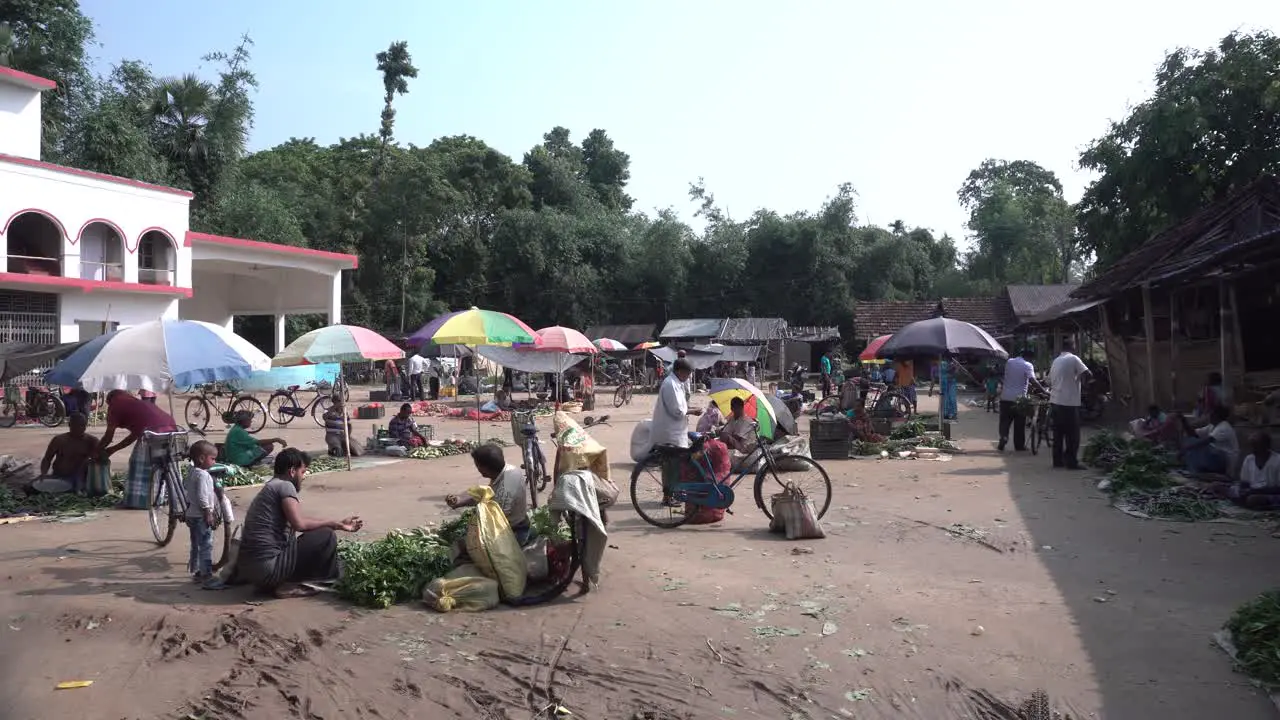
column 243, row 449
column 66, row 461
column 404, row 430
column 1259, row 486
column 1215, row 448
column 509, row 489
column 739, row 433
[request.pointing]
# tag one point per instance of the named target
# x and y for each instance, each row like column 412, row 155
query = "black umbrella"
column 430, row 349
column 782, row 413
column 941, row 336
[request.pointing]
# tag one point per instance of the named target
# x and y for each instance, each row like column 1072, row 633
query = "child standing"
column 201, row 502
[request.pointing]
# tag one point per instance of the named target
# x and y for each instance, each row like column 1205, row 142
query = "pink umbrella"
column 565, row 340
column 610, row 345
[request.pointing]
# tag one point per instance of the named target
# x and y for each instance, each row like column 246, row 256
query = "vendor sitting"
column 1259, row 486
column 334, row 438
column 1215, row 447
column 243, row 449
column 740, row 432
column 66, row 461
column 509, row 489
column 404, row 430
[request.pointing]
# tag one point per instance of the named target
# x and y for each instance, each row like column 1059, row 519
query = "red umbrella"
column 873, row 347
column 565, row 340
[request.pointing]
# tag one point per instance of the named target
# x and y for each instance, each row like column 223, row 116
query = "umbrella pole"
column 346, row 435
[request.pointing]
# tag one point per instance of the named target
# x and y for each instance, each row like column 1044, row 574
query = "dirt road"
column 890, row 616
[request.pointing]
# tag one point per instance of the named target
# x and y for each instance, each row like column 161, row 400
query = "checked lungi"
column 139, row 488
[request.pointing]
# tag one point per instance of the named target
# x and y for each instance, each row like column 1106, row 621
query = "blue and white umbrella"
column 158, row 355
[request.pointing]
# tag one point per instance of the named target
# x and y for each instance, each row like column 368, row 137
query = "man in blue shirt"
column 1018, row 375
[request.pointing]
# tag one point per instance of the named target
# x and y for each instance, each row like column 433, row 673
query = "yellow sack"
column 467, row 593
column 577, row 450
column 493, row 547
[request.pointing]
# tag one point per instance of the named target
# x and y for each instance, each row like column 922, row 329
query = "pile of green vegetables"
column 452, row 447
column 892, row 446
column 1106, row 449
column 1142, row 467
column 908, row 430
column 13, row 503
column 1255, row 630
column 241, row 476
column 394, row 569
column 1174, row 503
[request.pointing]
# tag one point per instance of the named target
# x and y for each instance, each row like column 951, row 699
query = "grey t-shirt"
column 266, row 531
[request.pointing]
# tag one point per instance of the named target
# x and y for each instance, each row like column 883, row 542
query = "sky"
column 774, row 104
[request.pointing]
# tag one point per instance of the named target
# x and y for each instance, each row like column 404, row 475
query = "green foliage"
column 1143, row 467
column 547, row 525
column 1255, row 630
column 11, row 503
column 1211, row 127
column 1105, row 449
column 394, row 569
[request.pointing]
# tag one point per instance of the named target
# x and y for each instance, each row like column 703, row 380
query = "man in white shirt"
column 417, row 366
column 1064, row 404
column 670, row 422
column 1019, row 374
column 1216, row 448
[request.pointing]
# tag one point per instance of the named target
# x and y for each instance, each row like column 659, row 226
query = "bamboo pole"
column 346, row 435
column 1149, row 329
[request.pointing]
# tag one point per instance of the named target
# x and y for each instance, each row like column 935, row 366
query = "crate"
column 830, row 449
column 378, row 396
column 371, row 412
column 823, row 429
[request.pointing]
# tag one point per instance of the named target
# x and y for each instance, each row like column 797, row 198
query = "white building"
column 82, row 253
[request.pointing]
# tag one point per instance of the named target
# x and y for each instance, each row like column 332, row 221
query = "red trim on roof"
column 269, row 247
column 92, row 285
column 28, row 162
column 35, row 82
column 124, row 242
column 156, row 229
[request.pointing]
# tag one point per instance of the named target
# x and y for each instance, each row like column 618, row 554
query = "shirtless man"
column 67, row 459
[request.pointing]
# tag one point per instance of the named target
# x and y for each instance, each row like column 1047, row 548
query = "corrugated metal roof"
column 1027, row 301
column 752, row 329
column 625, row 334
column 692, row 328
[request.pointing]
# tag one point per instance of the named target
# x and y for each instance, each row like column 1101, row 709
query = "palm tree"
column 181, row 109
column 396, row 67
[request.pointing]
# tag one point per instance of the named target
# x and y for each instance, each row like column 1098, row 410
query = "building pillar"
column 230, row 323
column 280, row 339
column 335, row 299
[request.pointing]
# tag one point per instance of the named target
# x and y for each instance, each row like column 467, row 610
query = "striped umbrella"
column 609, row 345
column 476, row 327
column 157, row 355
column 337, row 344
column 647, row 345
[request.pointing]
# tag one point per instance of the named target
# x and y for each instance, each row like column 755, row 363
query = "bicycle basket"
column 166, row 445
column 519, row 420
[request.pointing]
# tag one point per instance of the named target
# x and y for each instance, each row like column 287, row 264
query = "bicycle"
column 718, row 493
column 532, row 461
column 1041, row 426
column 203, row 406
column 283, row 405
column 38, row 404
column 169, row 501
column 622, row 393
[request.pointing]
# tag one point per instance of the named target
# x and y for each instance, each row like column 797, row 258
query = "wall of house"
column 19, row 121
column 1127, row 360
column 75, row 202
column 76, row 311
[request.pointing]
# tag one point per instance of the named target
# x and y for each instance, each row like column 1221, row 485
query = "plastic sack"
column 97, row 479
column 798, row 445
column 493, row 547
column 641, row 440
column 471, row 593
column 535, row 559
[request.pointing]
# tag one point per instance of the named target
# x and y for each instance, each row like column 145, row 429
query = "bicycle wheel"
column 319, row 407
column 8, row 414
column 197, row 413
column 52, row 411
column 532, row 470
column 619, row 396
column 804, row 472
column 253, row 406
column 223, row 529
column 1035, row 438
column 578, row 537
column 648, row 495
column 830, row 403
column 278, row 402
column 626, row 397
column 162, row 514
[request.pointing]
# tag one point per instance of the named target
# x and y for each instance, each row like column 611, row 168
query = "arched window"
column 101, row 252
column 157, row 259
column 35, row 244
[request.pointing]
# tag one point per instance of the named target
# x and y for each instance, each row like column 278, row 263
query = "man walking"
column 1019, row 373
column 1064, row 406
column 417, row 366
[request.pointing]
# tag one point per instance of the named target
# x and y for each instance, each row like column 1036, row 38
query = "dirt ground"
column 889, row 616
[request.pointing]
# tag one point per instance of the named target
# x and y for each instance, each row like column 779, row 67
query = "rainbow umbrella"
column 337, row 344
column 609, row 345
column 647, row 345
column 476, row 327
column 757, row 405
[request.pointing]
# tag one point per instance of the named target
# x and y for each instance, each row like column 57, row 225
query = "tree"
column 49, row 38
column 1211, row 127
column 1022, row 226
column 397, row 69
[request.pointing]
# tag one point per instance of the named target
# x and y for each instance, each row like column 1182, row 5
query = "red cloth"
column 137, row 415
column 718, row 453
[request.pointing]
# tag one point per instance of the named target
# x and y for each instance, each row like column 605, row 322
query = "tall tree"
column 397, row 69
column 1211, row 127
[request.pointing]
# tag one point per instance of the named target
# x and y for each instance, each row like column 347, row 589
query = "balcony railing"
column 112, row 272
column 35, row 265
column 153, row 276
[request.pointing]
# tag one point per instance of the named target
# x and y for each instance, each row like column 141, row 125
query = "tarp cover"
column 699, row 360
column 741, row 353
column 530, row 360
column 19, row 358
column 693, row 328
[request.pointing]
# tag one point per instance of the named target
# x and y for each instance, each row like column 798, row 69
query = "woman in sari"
column 947, row 373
